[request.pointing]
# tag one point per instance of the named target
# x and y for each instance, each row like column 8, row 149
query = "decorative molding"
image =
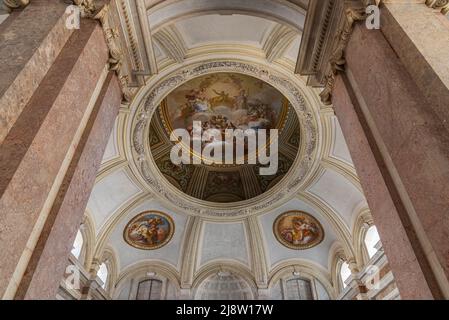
column 337, row 60
column 278, row 41
column 116, row 57
column 130, row 34
column 361, row 224
column 138, row 39
column 190, row 251
column 126, row 29
column 258, row 251
column 322, row 52
column 172, row 43
column 287, row 188
column 442, row 5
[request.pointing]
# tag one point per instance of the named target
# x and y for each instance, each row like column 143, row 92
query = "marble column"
column 420, row 38
column 30, row 41
column 400, row 148
column 68, row 209
column 48, row 163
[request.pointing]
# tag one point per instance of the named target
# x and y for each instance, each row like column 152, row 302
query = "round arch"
column 284, row 12
column 140, row 270
column 306, row 268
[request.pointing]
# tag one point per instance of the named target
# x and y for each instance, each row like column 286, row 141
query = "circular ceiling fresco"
column 221, row 102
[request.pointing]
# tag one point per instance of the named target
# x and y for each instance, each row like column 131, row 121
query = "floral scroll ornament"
column 442, row 5
column 15, row 4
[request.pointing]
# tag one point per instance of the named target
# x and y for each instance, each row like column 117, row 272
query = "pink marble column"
column 47, row 165
column 30, row 41
column 420, row 38
column 400, row 148
column 49, row 259
column 409, row 275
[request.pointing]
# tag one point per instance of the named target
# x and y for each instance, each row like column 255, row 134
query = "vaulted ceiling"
column 260, row 38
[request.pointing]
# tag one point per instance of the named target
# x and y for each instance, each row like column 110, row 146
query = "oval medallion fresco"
column 298, row 230
column 149, row 230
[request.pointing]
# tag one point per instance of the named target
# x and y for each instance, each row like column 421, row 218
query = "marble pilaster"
column 59, row 232
column 29, row 44
column 420, row 38
column 36, row 157
column 413, row 143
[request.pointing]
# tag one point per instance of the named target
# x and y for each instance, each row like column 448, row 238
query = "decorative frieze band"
column 327, row 30
column 127, row 35
column 87, row 7
column 116, row 56
column 337, row 59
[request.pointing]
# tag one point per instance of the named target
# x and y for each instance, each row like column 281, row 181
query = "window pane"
column 77, row 245
column 345, row 273
column 371, row 239
column 103, row 274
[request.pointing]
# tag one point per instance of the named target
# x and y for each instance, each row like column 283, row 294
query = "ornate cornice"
column 126, row 31
column 322, row 52
column 337, row 59
column 442, row 5
column 116, row 56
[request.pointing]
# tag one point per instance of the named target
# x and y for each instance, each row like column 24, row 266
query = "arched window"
column 298, row 289
column 371, row 239
column 345, row 273
column 103, row 274
column 150, row 289
column 78, row 245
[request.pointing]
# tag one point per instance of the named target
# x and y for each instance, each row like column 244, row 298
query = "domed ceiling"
column 206, row 242
column 224, row 101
